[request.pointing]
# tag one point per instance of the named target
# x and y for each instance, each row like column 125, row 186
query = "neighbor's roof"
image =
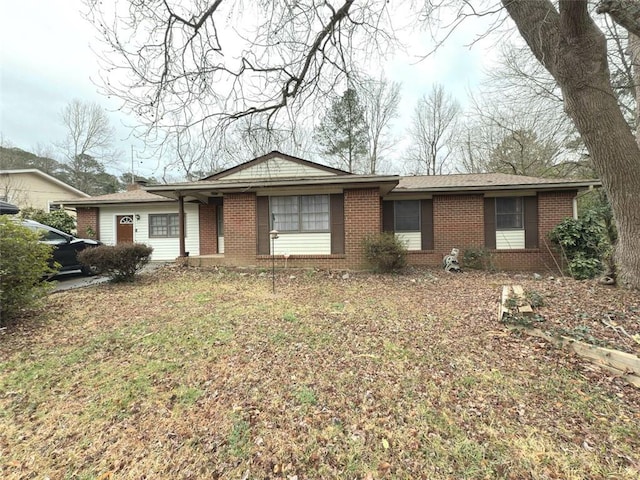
column 486, row 181
column 130, row 196
column 47, row 177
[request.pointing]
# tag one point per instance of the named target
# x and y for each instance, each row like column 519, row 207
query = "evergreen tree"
column 343, row 133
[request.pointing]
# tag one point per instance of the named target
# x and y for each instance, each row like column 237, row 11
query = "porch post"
column 181, row 224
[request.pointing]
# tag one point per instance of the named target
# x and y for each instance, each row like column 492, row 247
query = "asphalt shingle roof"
column 130, row 196
column 478, row 180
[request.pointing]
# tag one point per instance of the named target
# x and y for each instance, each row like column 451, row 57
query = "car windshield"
column 48, row 236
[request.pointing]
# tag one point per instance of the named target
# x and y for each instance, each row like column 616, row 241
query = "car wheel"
column 89, row 271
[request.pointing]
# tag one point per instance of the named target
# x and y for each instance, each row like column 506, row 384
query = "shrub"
column 24, row 262
column 478, row 258
column 582, row 267
column 385, row 252
column 584, row 243
column 119, row 262
column 57, row 219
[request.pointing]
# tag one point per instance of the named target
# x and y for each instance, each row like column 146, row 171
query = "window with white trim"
column 406, row 215
column 164, row 225
column 303, row 213
column 509, row 213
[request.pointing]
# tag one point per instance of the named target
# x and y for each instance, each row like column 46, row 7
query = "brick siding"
column 458, row 221
column 240, row 229
column 88, row 219
column 208, row 229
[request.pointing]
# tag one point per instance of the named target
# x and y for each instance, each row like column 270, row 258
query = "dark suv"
column 65, row 246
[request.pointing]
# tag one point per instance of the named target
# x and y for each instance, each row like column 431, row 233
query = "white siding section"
column 220, row 244
column 412, row 240
column 509, row 239
column 303, row 244
column 278, row 167
column 163, row 248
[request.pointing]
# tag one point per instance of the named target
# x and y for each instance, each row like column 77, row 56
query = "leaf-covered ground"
column 208, row 374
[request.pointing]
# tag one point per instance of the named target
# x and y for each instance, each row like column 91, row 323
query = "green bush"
column 24, row 263
column 57, row 219
column 477, row 258
column 584, row 244
column 582, row 267
column 119, row 262
column 385, row 252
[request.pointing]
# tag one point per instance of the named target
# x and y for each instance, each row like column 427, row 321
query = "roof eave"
column 385, row 183
column 482, row 188
column 94, row 203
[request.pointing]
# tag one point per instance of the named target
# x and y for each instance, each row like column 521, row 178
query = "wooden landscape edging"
column 622, row 364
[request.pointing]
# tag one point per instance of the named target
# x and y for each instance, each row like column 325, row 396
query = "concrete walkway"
column 72, row 280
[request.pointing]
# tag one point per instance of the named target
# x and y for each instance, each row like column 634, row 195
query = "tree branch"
column 625, row 13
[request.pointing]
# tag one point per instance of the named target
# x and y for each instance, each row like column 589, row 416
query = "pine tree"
column 343, row 132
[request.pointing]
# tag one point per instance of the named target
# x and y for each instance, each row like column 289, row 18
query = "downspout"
column 183, row 252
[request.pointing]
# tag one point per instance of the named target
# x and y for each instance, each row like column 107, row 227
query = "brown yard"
column 207, row 374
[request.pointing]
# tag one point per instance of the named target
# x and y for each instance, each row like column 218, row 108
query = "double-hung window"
column 302, row 213
column 164, row 225
column 406, row 215
column 509, row 213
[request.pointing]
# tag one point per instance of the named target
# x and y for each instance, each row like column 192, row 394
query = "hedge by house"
column 119, row 262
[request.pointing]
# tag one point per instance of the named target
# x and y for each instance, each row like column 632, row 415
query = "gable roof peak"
column 272, row 155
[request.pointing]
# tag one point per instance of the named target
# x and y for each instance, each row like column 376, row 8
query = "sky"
column 46, row 61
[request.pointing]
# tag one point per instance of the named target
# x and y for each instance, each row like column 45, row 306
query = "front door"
column 124, row 229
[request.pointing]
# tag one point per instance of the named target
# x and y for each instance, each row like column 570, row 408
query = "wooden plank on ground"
column 625, row 365
column 523, row 305
column 514, row 295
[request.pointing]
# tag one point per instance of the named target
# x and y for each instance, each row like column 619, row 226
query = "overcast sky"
column 46, row 61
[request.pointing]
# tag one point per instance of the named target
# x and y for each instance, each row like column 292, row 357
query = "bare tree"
column 502, row 135
column 380, row 99
column 88, row 130
column 87, row 145
column 206, row 52
column 433, row 132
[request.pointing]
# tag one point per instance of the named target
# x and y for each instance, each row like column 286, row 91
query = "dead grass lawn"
column 207, row 374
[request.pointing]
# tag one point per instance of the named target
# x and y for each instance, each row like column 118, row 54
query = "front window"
column 164, row 225
column 305, row 213
column 509, row 213
column 407, row 215
column 220, row 222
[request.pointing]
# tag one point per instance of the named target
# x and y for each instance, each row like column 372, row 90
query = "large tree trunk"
column 573, row 49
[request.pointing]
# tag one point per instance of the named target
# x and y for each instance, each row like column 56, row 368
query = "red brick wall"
column 458, row 221
column 208, row 229
column 362, row 217
column 553, row 207
column 88, row 218
column 240, row 229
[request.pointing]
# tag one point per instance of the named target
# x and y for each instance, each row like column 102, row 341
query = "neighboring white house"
column 31, row 188
column 140, row 217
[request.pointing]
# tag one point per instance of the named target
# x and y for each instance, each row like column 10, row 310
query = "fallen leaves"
column 206, row 374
